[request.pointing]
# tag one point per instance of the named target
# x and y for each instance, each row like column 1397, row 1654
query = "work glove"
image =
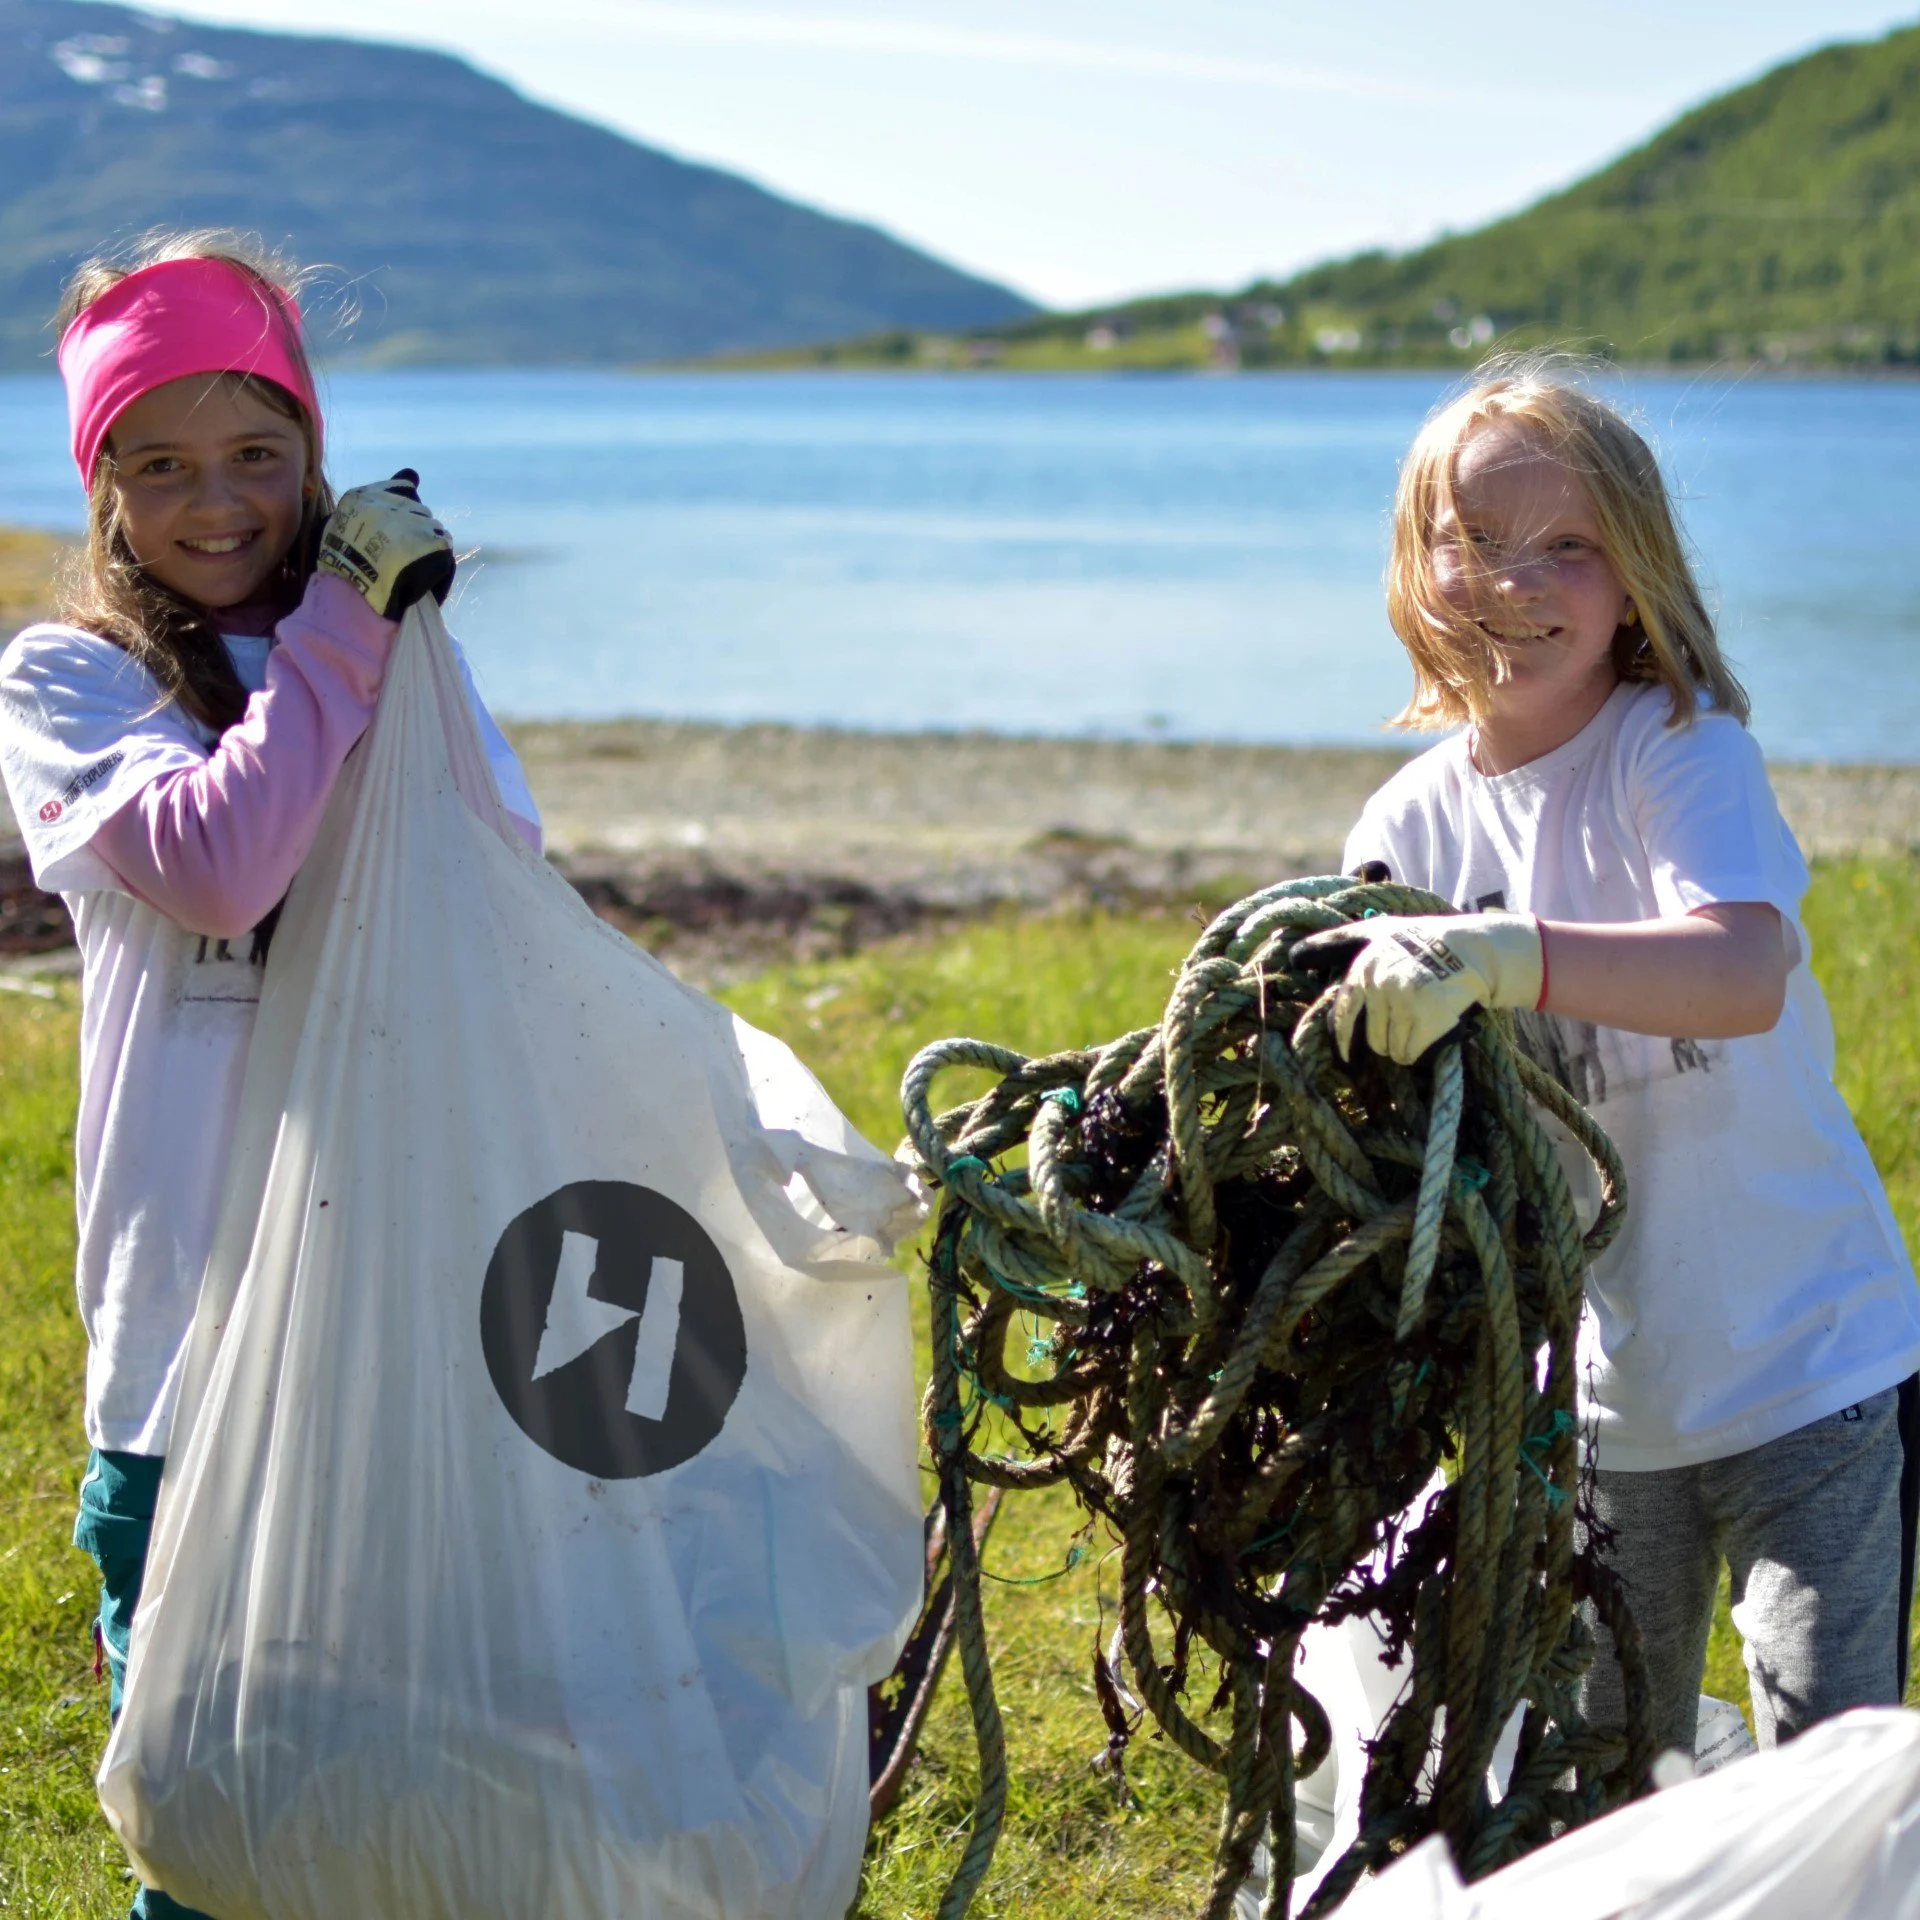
column 387, row 546
column 1415, row 977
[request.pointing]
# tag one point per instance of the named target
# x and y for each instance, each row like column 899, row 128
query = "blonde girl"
column 169, row 748
column 1627, row 886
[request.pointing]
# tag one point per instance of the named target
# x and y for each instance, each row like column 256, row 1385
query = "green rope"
column 1282, row 1288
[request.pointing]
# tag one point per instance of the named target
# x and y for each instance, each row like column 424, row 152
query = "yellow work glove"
column 1415, row 977
column 389, row 548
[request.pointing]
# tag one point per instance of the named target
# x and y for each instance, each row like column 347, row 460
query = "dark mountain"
column 473, row 225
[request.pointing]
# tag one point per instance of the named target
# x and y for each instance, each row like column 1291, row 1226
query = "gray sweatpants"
column 1816, row 1530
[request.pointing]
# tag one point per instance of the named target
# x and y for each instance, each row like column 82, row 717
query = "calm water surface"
column 1185, row 557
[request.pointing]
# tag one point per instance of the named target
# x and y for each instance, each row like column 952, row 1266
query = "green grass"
column 1862, row 917
column 1071, row 1849
column 57, row 1858
column 1038, row 985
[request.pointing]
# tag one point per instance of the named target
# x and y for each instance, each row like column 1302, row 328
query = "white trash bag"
column 1824, row 1828
column 542, row 1497
column 1344, row 1667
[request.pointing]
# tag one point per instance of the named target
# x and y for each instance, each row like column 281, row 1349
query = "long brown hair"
column 1670, row 637
column 104, row 588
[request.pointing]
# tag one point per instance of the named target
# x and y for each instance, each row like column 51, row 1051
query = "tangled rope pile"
column 1273, row 1292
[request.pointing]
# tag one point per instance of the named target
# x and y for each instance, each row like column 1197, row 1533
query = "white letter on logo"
column 575, row 1320
column 659, row 1335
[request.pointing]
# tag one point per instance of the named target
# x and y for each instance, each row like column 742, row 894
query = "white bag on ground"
column 542, row 1496
column 1344, row 1667
column 1825, row 1828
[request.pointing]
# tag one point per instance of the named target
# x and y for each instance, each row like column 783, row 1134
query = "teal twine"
column 1267, row 1539
column 999, row 1400
column 1075, row 1554
column 1034, row 1296
column 1470, row 1173
column 1039, row 1342
column 1064, row 1097
column 960, row 1160
column 1562, row 1422
column 1556, row 1496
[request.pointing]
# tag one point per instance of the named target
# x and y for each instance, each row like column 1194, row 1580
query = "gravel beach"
column 729, row 848
column 954, row 810
column 701, row 837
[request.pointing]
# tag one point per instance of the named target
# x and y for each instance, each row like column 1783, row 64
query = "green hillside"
column 1779, row 222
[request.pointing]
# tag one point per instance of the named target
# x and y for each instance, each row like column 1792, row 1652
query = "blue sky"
column 1087, row 149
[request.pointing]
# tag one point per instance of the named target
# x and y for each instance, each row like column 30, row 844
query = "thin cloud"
column 746, row 26
column 852, row 33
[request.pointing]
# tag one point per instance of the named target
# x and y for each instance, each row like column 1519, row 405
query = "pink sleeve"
column 215, row 847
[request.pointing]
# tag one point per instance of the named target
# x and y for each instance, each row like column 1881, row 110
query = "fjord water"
column 1185, row 557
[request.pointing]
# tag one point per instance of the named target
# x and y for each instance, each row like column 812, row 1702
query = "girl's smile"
column 211, row 482
column 222, row 543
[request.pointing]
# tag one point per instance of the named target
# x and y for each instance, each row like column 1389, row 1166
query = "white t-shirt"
column 166, row 1015
column 1760, row 1282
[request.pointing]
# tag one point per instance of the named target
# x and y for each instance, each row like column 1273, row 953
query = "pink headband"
column 168, row 321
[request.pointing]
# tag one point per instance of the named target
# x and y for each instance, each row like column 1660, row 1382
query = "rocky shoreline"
column 728, row 849
column 725, row 848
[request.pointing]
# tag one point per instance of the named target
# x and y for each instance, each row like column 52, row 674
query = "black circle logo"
column 612, row 1329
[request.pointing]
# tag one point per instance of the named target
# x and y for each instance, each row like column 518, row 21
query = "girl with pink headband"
column 169, row 749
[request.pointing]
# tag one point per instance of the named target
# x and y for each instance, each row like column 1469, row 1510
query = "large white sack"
column 1825, row 1828
column 542, row 1497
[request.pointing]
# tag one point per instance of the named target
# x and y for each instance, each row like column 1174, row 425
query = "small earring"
column 1632, row 615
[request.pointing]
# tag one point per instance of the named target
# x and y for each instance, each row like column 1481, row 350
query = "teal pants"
column 115, row 1524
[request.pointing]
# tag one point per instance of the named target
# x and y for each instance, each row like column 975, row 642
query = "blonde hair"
column 104, row 588
column 1670, row 638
